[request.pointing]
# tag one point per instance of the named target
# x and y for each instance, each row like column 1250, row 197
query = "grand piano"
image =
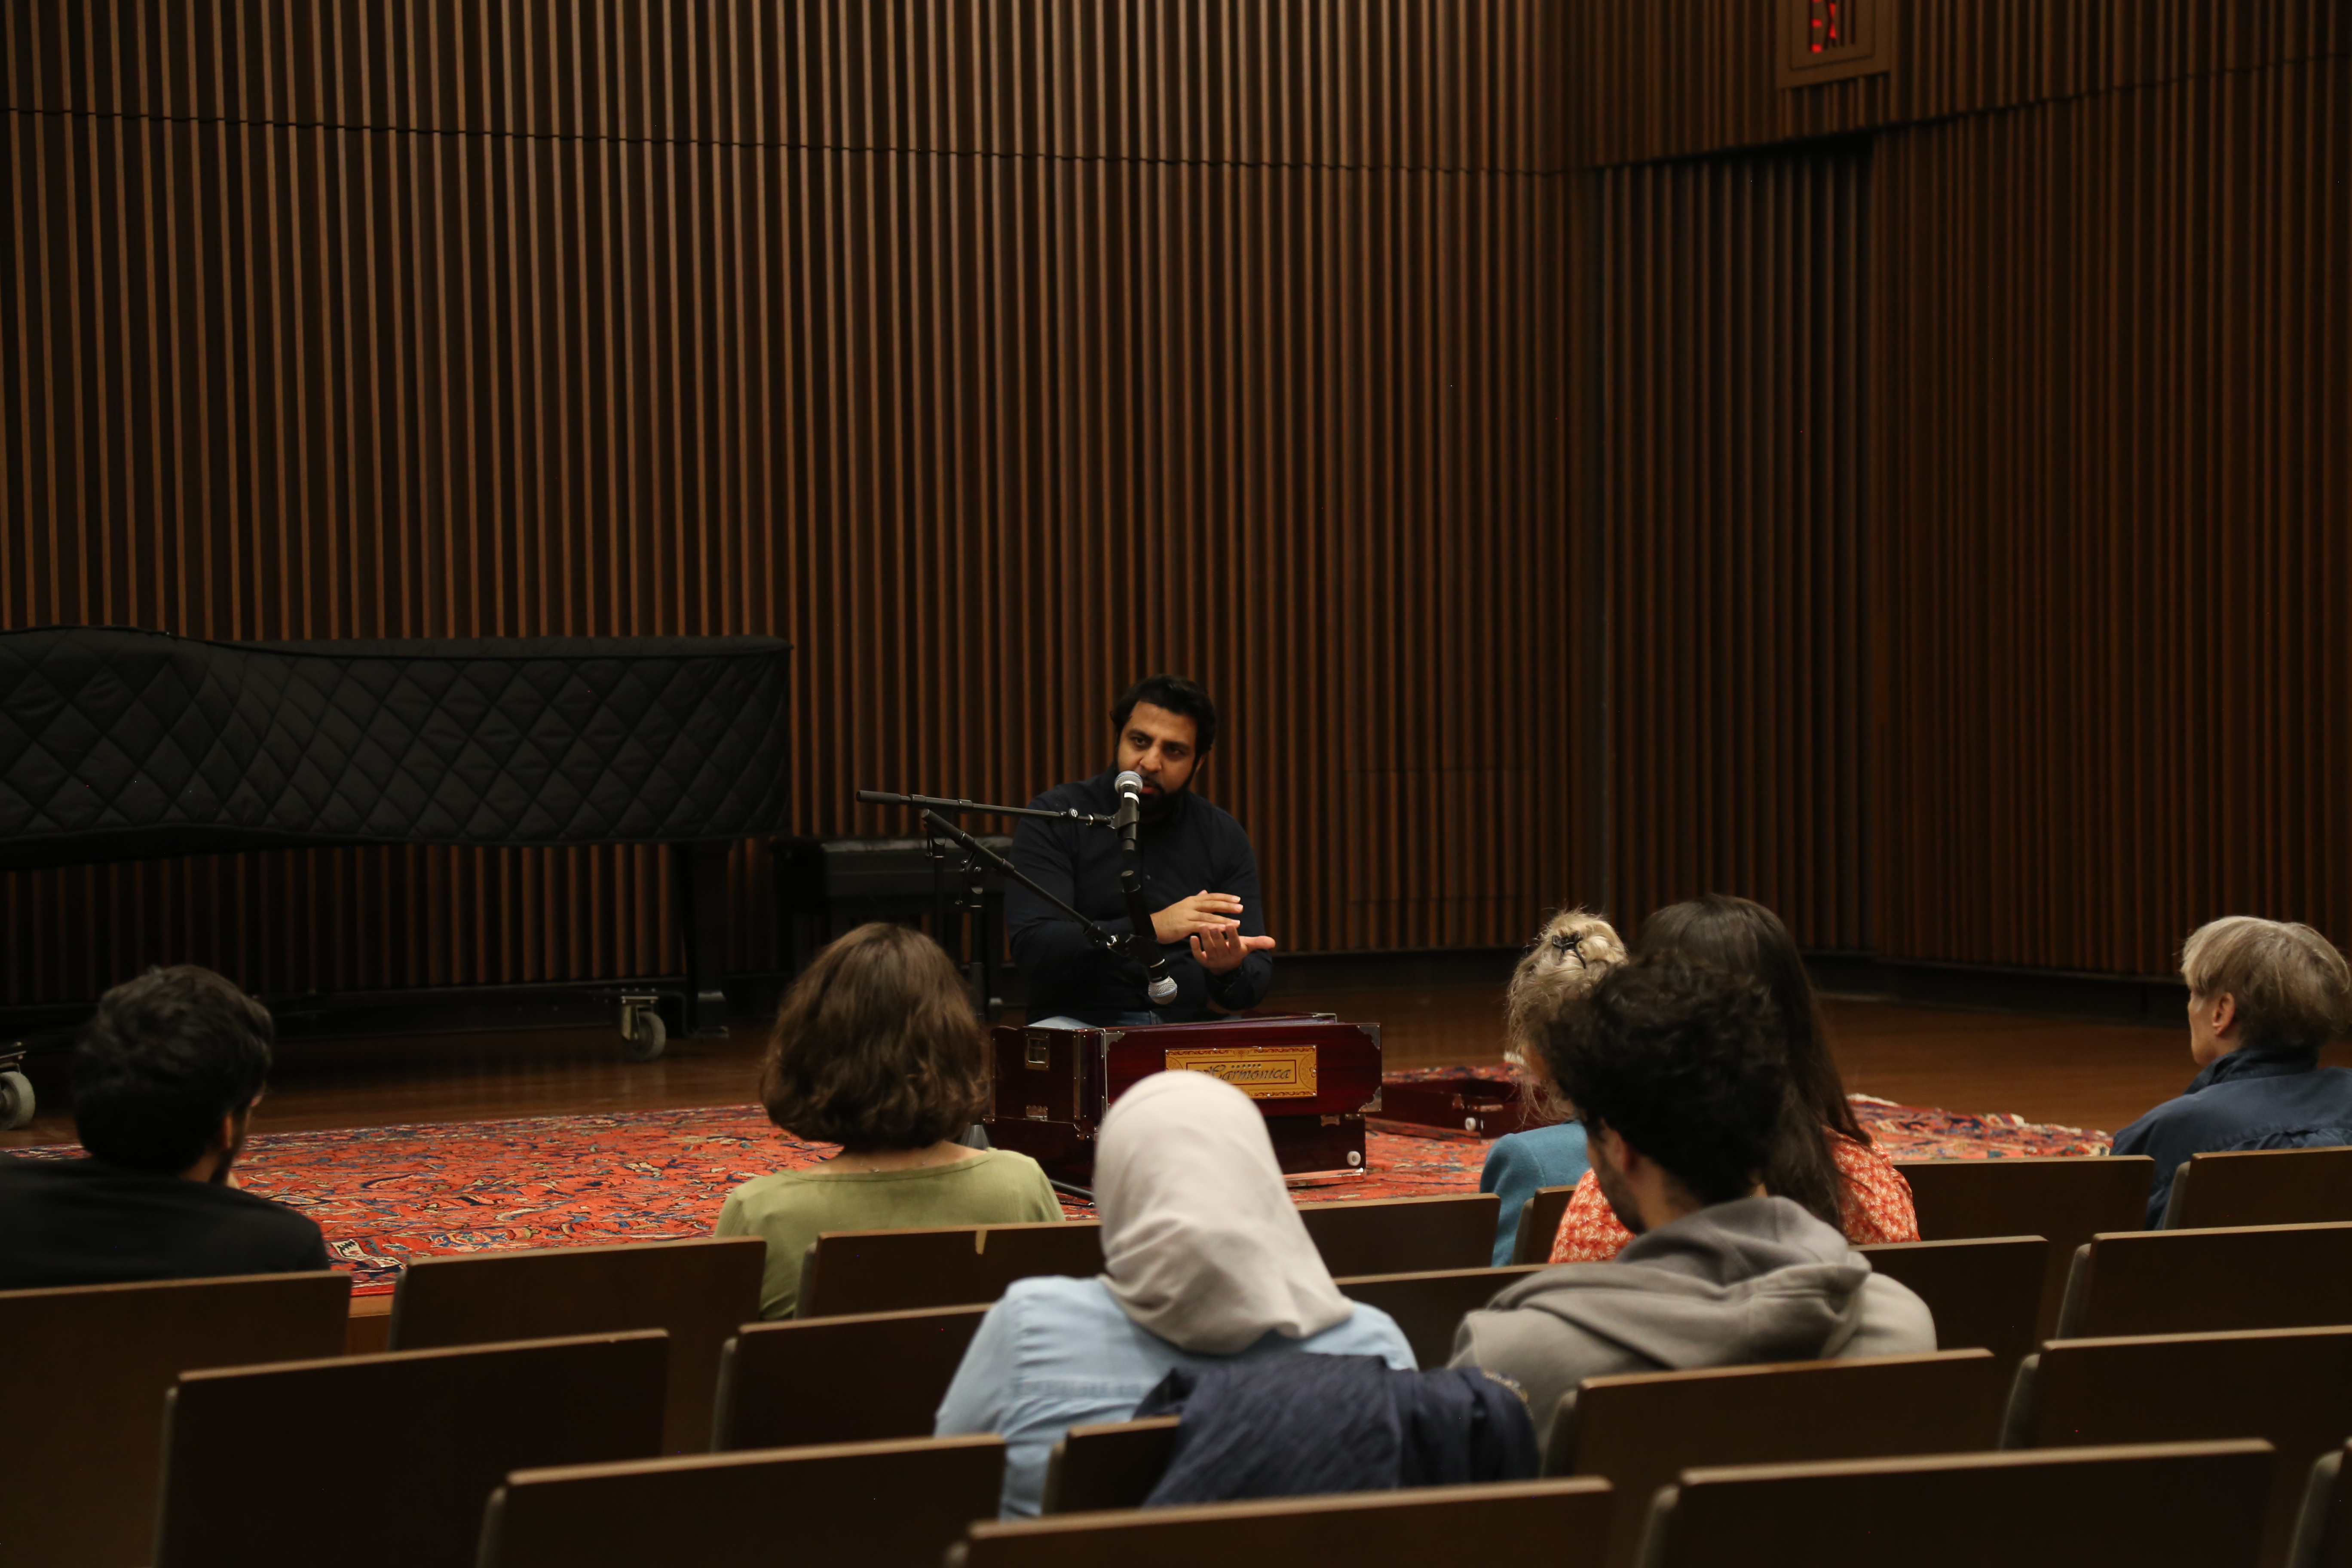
column 121, row 744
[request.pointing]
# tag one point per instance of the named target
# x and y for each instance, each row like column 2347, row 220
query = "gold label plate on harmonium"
column 1262, row 1072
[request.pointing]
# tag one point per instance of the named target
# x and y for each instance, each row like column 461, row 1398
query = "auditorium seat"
column 2261, row 1186
column 840, row 1380
column 88, row 1367
column 701, row 1291
column 1429, row 1307
column 1396, row 1236
column 850, row 1271
column 859, row 1271
column 1639, row 1429
column 1113, row 1464
column 2292, row 1387
column 2065, row 1200
column 1540, row 1219
column 875, row 1505
column 2172, row 1505
column 2203, row 1281
column 389, row 1460
column 1984, row 1291
column 2322, row 1530
column 1555, row 1522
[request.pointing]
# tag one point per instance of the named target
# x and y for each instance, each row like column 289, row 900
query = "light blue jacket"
column 1058, row 1352
column 1520, row 1163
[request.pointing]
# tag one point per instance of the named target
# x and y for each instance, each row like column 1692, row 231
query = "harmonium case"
column 1314, row 1078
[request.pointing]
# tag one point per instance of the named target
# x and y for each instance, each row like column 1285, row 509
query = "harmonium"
column 1314, row 1078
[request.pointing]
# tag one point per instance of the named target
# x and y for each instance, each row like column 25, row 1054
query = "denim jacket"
column 2257, row 1097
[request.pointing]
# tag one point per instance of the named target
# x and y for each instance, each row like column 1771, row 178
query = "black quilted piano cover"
column 117, row 743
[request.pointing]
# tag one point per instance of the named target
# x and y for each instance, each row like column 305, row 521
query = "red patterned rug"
column 384, row 1194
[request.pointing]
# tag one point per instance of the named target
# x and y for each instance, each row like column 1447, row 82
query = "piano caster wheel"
column 17, row 1100
column 643, row 1033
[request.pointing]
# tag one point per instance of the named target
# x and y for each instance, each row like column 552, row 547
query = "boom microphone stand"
column 1136, row 944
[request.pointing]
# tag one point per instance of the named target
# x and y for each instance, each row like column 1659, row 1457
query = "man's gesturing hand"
column 1203, row 911
column 1224, row 948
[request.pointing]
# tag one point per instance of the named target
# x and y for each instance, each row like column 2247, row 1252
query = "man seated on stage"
column 1199, row 874
column 1676, row 1071
column 164, row 1079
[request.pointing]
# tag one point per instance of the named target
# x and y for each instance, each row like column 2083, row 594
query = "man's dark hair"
column 1684, row 1062
column 1177, row 694
column 876, row 1047
column 165, row 1056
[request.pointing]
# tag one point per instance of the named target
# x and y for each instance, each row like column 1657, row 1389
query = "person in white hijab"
column 1206, row 1262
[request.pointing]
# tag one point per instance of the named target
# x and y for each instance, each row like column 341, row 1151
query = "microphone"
column 1161, row 986
column 1129, row 786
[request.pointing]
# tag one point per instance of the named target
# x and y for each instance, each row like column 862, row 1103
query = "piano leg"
column 701, row 891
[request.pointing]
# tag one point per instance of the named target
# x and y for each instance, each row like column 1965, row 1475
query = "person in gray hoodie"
column 1676, row 1071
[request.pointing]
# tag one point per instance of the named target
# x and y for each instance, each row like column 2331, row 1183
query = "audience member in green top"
column 877, row 1049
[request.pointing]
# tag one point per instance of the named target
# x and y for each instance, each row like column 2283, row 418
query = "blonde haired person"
column 2264, row 996
column 1572, row 952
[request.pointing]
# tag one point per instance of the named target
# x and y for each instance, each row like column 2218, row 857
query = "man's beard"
column 228, row 1158
column 1155, row 805
column 1621, row 1198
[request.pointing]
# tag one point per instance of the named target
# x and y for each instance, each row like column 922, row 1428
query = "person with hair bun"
column 1575, row 948
column 2263, row 998
column 877, row 1049
column 1822, row 1159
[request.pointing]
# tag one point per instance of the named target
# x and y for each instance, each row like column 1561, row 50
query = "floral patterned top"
column 1873, row 1204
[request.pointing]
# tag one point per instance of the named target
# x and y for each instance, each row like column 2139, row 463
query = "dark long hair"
column 1745, row 938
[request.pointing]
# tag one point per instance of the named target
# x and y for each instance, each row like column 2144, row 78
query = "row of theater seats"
column 289, row 1452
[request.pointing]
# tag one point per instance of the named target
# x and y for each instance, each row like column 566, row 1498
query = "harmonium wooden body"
column 1314, row 1078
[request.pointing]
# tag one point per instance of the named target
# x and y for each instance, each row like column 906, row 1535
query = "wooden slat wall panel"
column 985, row 436
column 1670, row 78
column 1362, row 83
column 2114, row 356
column 1734, row 486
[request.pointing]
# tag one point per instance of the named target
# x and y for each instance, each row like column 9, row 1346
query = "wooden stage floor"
column 2069, row 1071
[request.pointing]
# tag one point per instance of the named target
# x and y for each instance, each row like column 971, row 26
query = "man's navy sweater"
column 2257, row 1097
column 1195, row 848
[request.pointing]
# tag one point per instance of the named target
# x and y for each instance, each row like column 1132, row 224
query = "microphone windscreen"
column 1128, row 782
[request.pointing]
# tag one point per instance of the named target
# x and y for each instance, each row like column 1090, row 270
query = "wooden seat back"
column 2261, row 1186
column 1639, row 1430
column 2292, row 1387
column 2056, row 1510
column 1429, row 1307
column 840, row 1380
column 700, row 1292
column 859, row 1272
column 1114, row 1464
column 2066, row 1200
column 89, row 1365
column 2322, row 1529
column 1986, row 1292
column 879, row 1505
column 1540, row 1219
column 2205, row 1281
column 863, row 1271
column 1399, row 1236
column 1556, row 1522
column 389, row 1460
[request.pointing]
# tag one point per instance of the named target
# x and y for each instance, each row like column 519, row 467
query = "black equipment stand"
column 1136, row 944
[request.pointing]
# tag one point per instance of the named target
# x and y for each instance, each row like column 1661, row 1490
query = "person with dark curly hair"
column 1679, row 1074
column 165, row 1075
column 877, row 1049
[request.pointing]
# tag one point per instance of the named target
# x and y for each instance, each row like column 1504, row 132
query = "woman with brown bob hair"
column 877, row 1049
